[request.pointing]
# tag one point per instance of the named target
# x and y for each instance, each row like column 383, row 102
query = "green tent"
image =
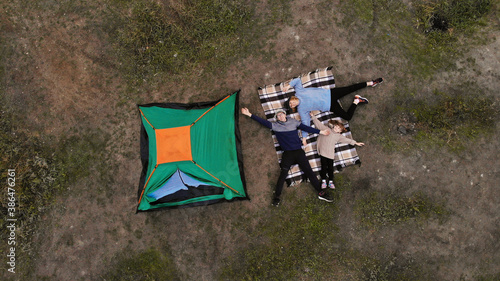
column 190, row 154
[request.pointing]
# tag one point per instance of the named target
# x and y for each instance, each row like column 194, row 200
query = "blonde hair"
column 333, row 123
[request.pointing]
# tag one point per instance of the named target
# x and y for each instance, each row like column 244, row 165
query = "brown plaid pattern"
column 273, row 98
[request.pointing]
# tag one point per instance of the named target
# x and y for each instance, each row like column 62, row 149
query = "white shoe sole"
column 324, row 199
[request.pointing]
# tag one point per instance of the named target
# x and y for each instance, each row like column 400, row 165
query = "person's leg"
column 329, row 167
column 287, row 160
column 350, row 111
column 339, row 92
column 339, row 111
column 324, row 167
column 306, row 168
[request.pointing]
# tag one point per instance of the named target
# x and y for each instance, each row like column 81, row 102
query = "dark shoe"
column 325, row 196
column 377, row 81
column 361, row 99
column 276, row 202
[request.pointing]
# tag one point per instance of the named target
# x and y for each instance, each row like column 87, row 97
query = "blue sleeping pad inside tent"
column 178, row 181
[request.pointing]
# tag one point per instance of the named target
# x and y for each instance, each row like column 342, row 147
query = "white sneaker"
column 323, row 184
column 331, row 185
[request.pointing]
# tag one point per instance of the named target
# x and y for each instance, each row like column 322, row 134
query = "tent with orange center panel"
column 190, row 154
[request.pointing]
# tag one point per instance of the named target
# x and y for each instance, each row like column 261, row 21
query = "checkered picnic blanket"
column 272, row 98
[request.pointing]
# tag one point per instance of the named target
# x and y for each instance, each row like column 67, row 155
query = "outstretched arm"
column 286, row 88
column 312, row 130
column 264, row 122
column 296, row 84
column 343, row 139
column 317, row 123
column 246, row 112
column 308, row 129
column 293, row 83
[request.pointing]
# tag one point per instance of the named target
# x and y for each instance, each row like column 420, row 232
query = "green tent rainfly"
column 191, row 154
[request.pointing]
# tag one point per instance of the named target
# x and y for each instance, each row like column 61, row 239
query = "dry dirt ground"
column 67, row 85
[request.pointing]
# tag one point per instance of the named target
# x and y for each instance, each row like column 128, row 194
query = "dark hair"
column 287, row 105
column 333, row 123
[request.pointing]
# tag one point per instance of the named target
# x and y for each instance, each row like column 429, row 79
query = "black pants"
column 295, row 157
column 337, row 93
column 326, row 168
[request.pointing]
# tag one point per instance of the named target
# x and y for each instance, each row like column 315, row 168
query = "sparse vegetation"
column 429, row 32
column 289, row 246
column 449, row 119
column 376, row 209
column 440, row 25
column 280, row 12
column 294, row 247
column 454, row 119
column 37, row 179
column 78, row 154
column 190, row 36
column 183, row 41
column 447, row 16
column 148, row 265
column 488, row 277
column 443, row 23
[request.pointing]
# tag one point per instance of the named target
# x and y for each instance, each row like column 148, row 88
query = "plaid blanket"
column 273, row 98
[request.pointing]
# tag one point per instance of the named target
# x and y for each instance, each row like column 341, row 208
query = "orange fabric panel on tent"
column 173, row 144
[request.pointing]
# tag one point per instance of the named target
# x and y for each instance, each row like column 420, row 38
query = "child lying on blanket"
column 326, row 147
column 286, row 130
column 308, row 99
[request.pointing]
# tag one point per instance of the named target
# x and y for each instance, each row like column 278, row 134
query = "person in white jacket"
column 326, row 147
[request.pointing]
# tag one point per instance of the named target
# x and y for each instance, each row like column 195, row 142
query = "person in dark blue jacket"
column 286, row 131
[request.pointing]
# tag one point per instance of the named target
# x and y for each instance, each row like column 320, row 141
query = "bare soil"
column 66, row 85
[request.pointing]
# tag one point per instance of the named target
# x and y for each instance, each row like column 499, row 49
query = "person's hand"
column 314, row 112
column 324, row 132
column 304, row 142
column 246, row 112
column 285, row 88
column 359, row 144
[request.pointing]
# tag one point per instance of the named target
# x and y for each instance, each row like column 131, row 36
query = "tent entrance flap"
column 178, row 181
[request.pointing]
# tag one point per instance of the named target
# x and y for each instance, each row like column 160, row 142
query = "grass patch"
column 441, row 25
column 291, row 243
column 488, row 277
column 388, row 267
column 454, row 119
column 78, row 153
column 300, row 240
column 37, row 180
column 446, row 16
column 411, row 34
column 188, row 36
column 147, row 265
column 280, row 12
column 451, row 119
column 375, row 209
column 40, row 175
column 360, row 10
column 42, row 172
